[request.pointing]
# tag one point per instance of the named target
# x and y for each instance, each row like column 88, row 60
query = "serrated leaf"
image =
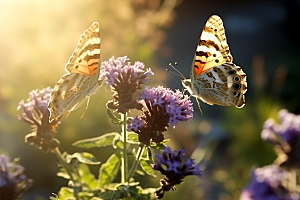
column 109, row 170
column 87, row 177
column 146, row 167
column 86, row 158
column 101, row 141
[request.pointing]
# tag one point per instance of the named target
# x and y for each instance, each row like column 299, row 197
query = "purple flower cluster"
column 13, row 183
column 266, row 183
column 113, row 69
column 284, row 136
column 36, row 113
column 177, row 105
column 175, row 165
column 161, row 106
column 135, row 124
column 125, row 79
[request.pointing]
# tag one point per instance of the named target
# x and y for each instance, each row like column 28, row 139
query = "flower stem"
column 124, row 159
column 136, row 161
column 56, row 151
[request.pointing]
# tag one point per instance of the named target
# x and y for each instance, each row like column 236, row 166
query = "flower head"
column 125, row 79
column 36, row 113
column 161, row 106
column 13, row 183
column 285, row 137
column 267, row 183
column 175, row 165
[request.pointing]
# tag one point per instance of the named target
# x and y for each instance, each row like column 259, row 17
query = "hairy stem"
column 124, row 158
column 136, row 161
column 56, row 151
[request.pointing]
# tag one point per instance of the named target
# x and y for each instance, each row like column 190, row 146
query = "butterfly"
column 81, row 81
column 214, row 79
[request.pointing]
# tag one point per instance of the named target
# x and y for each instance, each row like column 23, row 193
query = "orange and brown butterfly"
column 214, row 78
column 81, row 81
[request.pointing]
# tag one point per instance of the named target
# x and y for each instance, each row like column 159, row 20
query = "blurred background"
column 38, row 37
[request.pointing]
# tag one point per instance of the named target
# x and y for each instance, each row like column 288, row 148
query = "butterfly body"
column 82, row 78
column 214, row 78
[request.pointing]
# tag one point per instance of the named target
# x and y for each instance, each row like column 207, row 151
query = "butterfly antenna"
column 199, row 106
column 178, row 70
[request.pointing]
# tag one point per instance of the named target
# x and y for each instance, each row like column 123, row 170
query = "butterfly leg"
column 199, row 106
column 87, row 104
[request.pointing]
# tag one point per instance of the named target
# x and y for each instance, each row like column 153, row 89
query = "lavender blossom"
column 267, row 184
column 125, row 79
column 285, row 137
column 36, row 113
column 175, row 165
column 161, row 107
column 13, row 183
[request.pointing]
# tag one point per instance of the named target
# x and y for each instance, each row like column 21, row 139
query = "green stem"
column 136, row 161
column 124, row 159
column 56, row 151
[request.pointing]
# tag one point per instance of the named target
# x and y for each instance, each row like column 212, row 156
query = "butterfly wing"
column 85, row 58
column 212, row 49
column 82, row 78
column 224, row 85
column 214, row 78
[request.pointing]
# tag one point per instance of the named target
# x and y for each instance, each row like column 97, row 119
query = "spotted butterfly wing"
column 82, row 79
column 214, row 78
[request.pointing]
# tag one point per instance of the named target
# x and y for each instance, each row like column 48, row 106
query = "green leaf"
column 87, row 177
column 64, row 175
column 86, row 158
column 161, row 145
column 146, row 167
column 117, row 142
column 109, row 170
column 132, row 138
column 66, row 193
column 110, row 114
column 100, row 141
column 114, row 119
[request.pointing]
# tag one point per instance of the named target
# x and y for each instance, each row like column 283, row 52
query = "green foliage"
column 146, row 167
column 109, row 170
column 114, row 119
column 101, row 141
column 132, row 192
column 160, row 146
column 83, row 157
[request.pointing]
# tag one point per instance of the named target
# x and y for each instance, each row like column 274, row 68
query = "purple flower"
column 161, row 106
column 175, row 165
column 125, row 79
column 266, row 184
column 285, row 137
column 36, row 113
column 136, row 123
column 13, row 183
